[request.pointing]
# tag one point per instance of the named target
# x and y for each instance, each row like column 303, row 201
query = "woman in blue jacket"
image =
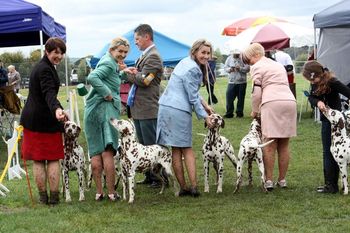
column 179, row 99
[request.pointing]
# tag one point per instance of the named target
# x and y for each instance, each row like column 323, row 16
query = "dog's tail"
column 233, row 160
column 262, row 145
column 231, row 155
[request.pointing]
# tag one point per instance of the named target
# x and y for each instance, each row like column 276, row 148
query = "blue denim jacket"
column 182, row 91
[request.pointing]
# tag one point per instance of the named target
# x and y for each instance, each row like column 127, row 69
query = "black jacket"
column 331, row 99
column 38, row 114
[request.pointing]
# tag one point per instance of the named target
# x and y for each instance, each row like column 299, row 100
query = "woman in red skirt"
column 42, row 119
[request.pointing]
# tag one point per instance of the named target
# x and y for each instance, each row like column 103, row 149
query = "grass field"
column 295, row 209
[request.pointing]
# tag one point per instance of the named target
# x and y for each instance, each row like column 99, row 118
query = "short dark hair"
column 54, row 43
column 144, row 29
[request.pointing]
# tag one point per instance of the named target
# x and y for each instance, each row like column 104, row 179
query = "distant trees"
column 24, row 65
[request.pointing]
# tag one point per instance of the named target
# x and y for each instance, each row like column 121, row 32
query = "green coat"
column 104, row 80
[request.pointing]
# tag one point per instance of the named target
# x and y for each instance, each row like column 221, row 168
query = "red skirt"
column 42, row 146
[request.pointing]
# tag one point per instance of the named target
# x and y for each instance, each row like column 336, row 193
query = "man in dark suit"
column 144, row 107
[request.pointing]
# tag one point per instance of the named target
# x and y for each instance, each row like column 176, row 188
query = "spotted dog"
column 340, row 145
column 214, row 149
column 250, row 149
column 73, row 159
column 135, row 157
column 346, row 115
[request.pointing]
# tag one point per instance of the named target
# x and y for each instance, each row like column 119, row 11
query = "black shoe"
column 194, row 192
column 328, row 188
column 43, row 198
column 145, row 181
column 228, row 116
column 184, row 192
column 239, row 115
column 54, row 198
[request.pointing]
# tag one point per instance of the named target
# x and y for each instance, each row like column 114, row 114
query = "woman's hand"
column 109, row 98
column 122, row 65
column 321, row 106
column 61, row 115
column 253, row 114
column 130, row 70
column 209, row 122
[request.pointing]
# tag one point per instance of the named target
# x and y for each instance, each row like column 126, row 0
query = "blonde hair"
column 116, row 42
column 11, row 67
column 254, row 49
column 198, row 44
column 195, row 47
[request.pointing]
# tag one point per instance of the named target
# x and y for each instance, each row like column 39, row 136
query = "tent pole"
column 315, row 44
column 67, row 87
column 41, row 43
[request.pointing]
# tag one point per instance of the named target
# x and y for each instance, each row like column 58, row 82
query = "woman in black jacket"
column 42, row 119
column 325, row 92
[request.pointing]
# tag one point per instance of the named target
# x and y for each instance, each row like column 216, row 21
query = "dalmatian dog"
column 214, row 149
column 340, row 145
column 346, row 115
column 73, row 159
column 250, row 149
column 135, row 157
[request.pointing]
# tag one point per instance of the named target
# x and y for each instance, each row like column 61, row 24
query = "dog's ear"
column 205, row 124
column 78, row 130
column 223, row 123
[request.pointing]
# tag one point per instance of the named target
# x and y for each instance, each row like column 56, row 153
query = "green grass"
column 296, row 209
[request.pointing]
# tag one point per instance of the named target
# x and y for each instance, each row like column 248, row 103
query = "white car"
column 74, row 76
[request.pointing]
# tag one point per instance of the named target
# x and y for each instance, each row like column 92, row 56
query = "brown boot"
column 54, row 198
column 43, row 198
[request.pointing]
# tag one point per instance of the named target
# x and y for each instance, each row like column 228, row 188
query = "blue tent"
column 170, row 50
column 21, row 23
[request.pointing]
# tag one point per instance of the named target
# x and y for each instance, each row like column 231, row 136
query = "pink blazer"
column 270, row 83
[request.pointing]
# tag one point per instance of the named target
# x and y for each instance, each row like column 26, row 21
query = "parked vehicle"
column 74, row 77
column 25, row 83
column 220, row 71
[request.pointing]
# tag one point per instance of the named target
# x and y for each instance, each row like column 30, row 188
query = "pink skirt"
column 279, row 119
column 39, row 146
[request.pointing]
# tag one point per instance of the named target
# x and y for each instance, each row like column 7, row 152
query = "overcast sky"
column 90, row 24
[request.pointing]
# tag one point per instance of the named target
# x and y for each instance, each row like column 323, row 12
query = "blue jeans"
column 233, row 91
column 330, row 167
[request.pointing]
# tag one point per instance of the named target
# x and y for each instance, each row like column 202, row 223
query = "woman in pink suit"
column 274, row 101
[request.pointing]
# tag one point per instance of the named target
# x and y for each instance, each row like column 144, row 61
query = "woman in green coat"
column 103, row 103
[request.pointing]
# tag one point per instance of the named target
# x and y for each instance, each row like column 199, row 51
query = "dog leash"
column 20, row 129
